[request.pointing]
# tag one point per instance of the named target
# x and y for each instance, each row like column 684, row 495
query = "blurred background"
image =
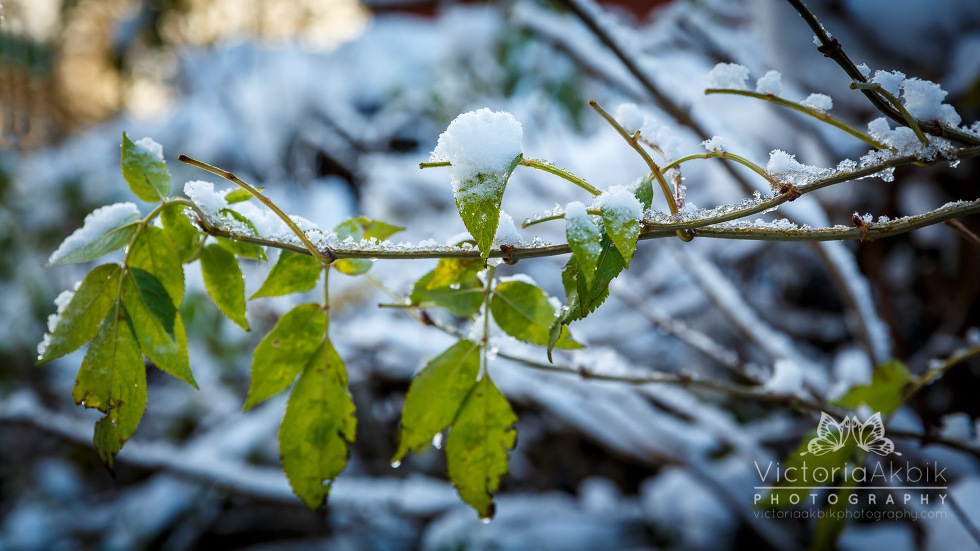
column 330, row 105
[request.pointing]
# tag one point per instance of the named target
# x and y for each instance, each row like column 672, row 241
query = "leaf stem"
column 633, row 140
column 819, row 115
column 435, row 164
column 548, row 167
column 940, row 369
column 310, row 247
column 909, row 119
column 719, row 154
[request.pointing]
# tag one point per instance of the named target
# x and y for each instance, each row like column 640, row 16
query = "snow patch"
column 97, row 223
column 770, row 83
column 728, row 76
column 479, row 142
column 819, row 102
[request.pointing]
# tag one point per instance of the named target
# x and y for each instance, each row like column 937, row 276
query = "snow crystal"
column 924, row 100
column 479, row 142
column 880, row 129
column 820, row 102
column 730, row 76
column 97, row 223
column 864, row 70
column 715, row 143
column 770, row 83
column 152, row 146
column 787, row 378
column 781, row 162
column 619, row 202
column 507, row 233
column 889, row 81
column 205, row 197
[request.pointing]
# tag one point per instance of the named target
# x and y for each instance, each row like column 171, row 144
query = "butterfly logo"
column 832, row 436
column 870, row 436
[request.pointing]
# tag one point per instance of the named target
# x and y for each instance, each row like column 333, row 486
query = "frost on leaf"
column 583, row 238
column 105, row 229
column 77, row 321
column 144, row 169
column 621, row 212
column 483, row 148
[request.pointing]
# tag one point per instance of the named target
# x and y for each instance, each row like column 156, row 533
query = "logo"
column 833, row 435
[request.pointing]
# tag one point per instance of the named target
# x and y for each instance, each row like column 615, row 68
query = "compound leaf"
column 476, row 449
column 318, row 425
column 112, row 379
column 436, row 394
column 285, row 351
column 224, row 282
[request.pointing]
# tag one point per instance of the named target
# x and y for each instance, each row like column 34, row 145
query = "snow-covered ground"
column 599, row 464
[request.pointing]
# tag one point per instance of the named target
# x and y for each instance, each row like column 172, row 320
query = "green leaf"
column 584, row 239
column 463, row 299
column 143, row 288
column 476, row 449
column 523, row 311
column 224, row 282
column 180, row 229
column 450, row 271
column 241, row 248
column 436, row 394
column 884, row 394
column 589, row 295
column 623, row 227
column 157, row 324
column 318, row 425
column 102, row 245
column 293, row 273
column 644, row 191
column 478, row 201
column 79, row 321
column 239, row 195
column 357, row 229
column 283, row 353
column 112, row 379
column 155, row 252
column 146, row 175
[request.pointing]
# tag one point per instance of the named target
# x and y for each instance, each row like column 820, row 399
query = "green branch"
column 821, row 116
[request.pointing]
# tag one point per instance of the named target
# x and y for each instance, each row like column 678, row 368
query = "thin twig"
column 821, row 116
column 964, row 232
column 311, row 248
column 832, row 48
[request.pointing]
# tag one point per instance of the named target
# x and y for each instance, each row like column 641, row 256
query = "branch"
column 833, row 49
